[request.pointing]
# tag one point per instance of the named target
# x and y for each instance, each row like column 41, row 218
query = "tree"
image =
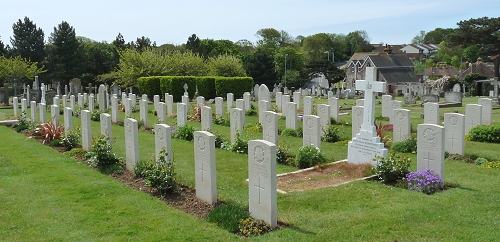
column 97, row 58
column 260, row 66
column 316, row 45
column 446, row 51
column 28, row 40
column 331, row 72
column 455, row 61
column 193, row 44
column 483, row 31
column 119, row 42
column 419, row 66
column 471, row 53
column 63, row 56
column 17, row 69
column 143, row 43
column 419, row 39
column 438, row 35
column 225, row 65
column 359, row 41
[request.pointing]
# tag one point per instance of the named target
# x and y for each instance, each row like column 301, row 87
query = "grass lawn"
column 45, row 195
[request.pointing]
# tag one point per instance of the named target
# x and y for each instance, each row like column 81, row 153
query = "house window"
column 352, row 69
column 359, row 68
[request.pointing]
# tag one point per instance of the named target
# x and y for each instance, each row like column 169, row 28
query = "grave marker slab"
column 263, row 107
column 64, row 100
column 161, row 114
column 454, row 126
column 200, row 102
column 170, row 104
column 204, row 157
column 33, row 111
column 402, row 125
column 219, row 107
column 68, row 120
column 131, row 143
column 430, row 148
column 357, row 119
column 163, row 141
column 308, row 105
column 270, row 126
column 240, row 103
column 54, row 114
column 360, row 102
column 246, row 98
column 262, row 181
column 86, row 130
column 185, row 100
column 15, row 104
column 91, row 103
column 485, row 110
column 431, row 113
column 43, row 112
column 296, row 99
column 230, row 100
column 181, row 114
column 284, row 100
column 291, row 117
column 324, row 115
column 24, row 107
column 156, row 100
column 334, row 108
column 114, row 109
column 237, row 120
column 279, row 96
column 143, row 111
column 473, row 116
column 395, row 105
column 311, row 131
column 264, row 93
column 106, row 128
column 206, row 118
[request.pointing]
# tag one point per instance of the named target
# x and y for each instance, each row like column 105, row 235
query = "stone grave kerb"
column 370, row 86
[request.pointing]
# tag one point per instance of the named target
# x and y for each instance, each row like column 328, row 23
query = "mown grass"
column 49, row 196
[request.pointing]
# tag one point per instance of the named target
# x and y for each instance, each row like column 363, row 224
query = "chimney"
column 388, row 49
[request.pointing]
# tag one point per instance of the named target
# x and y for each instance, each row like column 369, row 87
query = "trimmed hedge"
column 206, row 86
column 149, row 85
column 489, row 134
column 235, row 85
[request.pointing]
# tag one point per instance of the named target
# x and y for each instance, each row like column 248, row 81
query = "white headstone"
column 33, row 111
column 43, row 94
column 454, row 126
column 324, row 115
column 91, row 103
column 279, row 96
column 240, row 103
column 366, row 145
column 402, row 125
column 161, row 114
column 262, row 181
column 200, row 101
column 230, row 100
column 106, row 128
column 86, row 130
column 330, row 94
column 156, row 100
column 360, row 102
column 357, row 119
column 128, row 107
column 395, row 105
column 284, row 100
column 334, row 108
column 296, row 99
column 72, row 102
column 237, row 120
column 430, row 148
column 206, row 118
column 68, row 120
column 181, row 114
column 270, row 126
column 43, row 112
column 54, row 114
column 144, row 97
column 64, row 100
column 473, row 116
column 204, row 159
column 185, row 100
column 85, row 98
column 219, row 107
column 133, row 97
column 264, row 93
column 256, row 92
column 485, row 110
column 131, row 143
column 170, row 104
column 24, row 107
column 55, row 100
column 263, row 107
column 291, row 117
column 80, row 100
column 308, row 105
column 15, row 104
column 311, row 131
column 143, row 111
column 246, row 98
column 431, row 113
column 114, row 109
column 163, row 141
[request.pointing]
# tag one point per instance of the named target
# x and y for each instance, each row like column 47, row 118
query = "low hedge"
column 174, row 85
column 149, row 85
column 235, row 85
column 489, row 134
column 206, row 86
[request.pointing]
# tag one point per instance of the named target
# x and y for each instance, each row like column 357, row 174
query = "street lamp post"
column 333, row 56
column 285, row 68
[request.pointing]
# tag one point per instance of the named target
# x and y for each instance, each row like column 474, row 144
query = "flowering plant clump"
column 424, row 181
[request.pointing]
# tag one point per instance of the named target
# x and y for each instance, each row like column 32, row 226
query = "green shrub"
column 489, row 134
column 175, row 86
column 480, row 161
column 235, row 85
column 227, row 216
column 219, row 139
column 257, row 127
column 102, row 155
column 392, row 168
column 224, row 120
column 142, row 167
column 282, row 156
column 409, row 145
column 77, row 153
column 239, row 146
column 149, row 85
column 206, row 86
column 96, row 115
column 165, row 84
column 185, row 132
column 331, row 134
column 309, row 156
column 161, row 174
column 24, row 123
column 290, row 133
column 250, row 226
column 71, row 139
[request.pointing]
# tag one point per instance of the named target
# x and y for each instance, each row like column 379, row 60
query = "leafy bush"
column 185, row 132
column 239, row 146
column 175, row 86
column 290, row 133
column 480, row 161
column 225, row 65
column 224, row 120
column 331, row 134
column 142, row 167
column 71, row 139
column 409, row 145
column 206, row 86
column 282, row 156
column 219, row 139
column 227, row 216
column 24, row 123
column 149, row 85
column 309, row 156
column 489, row 134
column 96, row 115
column 102, row 155
column 161, row 174
column 392, row 168
column 48, row 132
column 424, row 181
column 77, row 153
column 235, row 85
column 257, row 127
column 250, row 226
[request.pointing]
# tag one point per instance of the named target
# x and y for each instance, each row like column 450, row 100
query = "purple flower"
column 424, row 181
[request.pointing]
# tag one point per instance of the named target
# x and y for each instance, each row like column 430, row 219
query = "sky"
column 172, row 22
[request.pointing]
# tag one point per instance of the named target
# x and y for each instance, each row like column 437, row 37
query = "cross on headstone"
column 428, row 159
column 202, row 172
column 452, row 139
column 370, row 86
column 260, row 188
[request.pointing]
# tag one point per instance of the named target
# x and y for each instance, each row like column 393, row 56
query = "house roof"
column 398, row 75
column 440, row 71
column 383, row 60
column 478, row 67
